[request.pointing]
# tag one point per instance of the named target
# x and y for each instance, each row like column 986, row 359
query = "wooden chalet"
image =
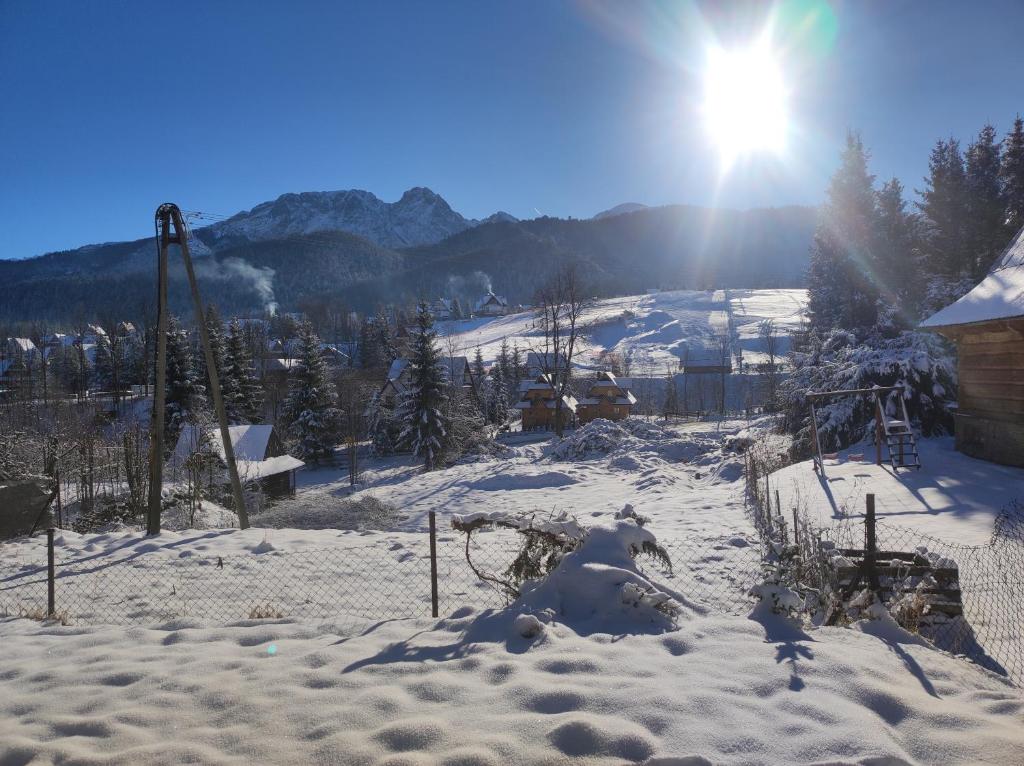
column 259, row 454
column 491, row 305
column 608, row 398
column 536, row 403
column 987, row 326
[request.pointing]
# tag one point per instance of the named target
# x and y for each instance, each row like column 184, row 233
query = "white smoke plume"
column 260, row 279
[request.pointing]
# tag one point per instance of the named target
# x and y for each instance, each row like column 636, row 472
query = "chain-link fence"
column 366, row 582
column 967, row 600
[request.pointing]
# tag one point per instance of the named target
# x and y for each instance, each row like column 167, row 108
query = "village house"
column 706, row 357
column 608, row 398
column 259, row 454
column 987, row 325
column 21, row 349
column 491, row 305
column 442, row 310
column 537, row 405
column 457, row 372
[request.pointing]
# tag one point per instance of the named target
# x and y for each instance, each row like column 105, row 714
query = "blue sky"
column 533, row 106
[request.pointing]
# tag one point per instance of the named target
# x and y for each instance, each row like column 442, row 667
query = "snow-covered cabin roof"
column 1000, row 295
column 280, row 365
column 491, row 300
column 22, row 345
column 250, row 443
column 455, row 370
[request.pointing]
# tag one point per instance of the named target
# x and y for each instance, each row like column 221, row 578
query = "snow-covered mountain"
column 625, row 207
column 420, row 217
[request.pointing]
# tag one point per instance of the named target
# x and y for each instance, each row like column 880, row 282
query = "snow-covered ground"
column 471, row 690
column 348, row 668
column 952, row 496
column 650, row 330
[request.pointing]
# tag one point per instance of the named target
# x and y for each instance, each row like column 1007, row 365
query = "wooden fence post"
column 51, row 596
column 870, row 544
column 796, row 530
column 433, row 565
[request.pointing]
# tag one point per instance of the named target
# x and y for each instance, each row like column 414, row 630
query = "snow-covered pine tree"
column 841, row 287
column 243, row 394
column 385, row 346
column 500, row 397
column 311, row 407
column 481, row 385
column 184, row 392
column 986, row 230
column 1011, row 175
column 381, row 426
column 424, row 426
column 215, row 332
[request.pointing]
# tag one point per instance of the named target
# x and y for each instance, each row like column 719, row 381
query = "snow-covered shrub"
column 599, row 587
column 585, row 575
column 921, row 362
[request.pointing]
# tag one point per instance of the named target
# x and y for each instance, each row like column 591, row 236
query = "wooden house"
column 491, row 305
column 259, row 454
column 987, row 325
column 707, row 357
column 457, row 372
column 608, row 398
column 536, row 403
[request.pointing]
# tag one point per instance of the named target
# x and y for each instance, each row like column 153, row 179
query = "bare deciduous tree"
column 561, row 303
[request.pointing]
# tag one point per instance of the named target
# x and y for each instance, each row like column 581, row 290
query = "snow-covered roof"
column 24, row 345
column 250, row 443
column 280, row 364
column 491, row 300
column 628, row 399
column 1000, row 295
column 455, row 368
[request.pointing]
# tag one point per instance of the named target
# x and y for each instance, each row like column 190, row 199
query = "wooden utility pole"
column 170, row 229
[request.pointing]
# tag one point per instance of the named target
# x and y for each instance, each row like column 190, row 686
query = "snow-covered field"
column 347, row 668
column 952, row 496
column 650, row 330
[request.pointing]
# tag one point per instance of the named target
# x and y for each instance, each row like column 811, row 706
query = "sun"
column 744, row 105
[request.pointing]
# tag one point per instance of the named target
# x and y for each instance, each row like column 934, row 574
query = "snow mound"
column 599, row 588
column 602, row 437
column 504, row 482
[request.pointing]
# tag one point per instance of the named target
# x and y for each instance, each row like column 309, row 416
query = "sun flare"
column 745, row 101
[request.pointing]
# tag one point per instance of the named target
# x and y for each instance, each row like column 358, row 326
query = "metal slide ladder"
column 899, row 437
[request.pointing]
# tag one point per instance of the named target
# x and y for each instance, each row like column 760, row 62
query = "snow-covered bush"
column 587, row 576
column 921, row 362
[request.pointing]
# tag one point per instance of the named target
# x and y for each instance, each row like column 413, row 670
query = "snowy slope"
column 654, row 331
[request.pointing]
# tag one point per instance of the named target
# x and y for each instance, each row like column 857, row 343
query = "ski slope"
column 652, row 332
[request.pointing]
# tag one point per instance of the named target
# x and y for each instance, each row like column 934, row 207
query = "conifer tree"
column 842, row 284
column 500, row 397
column 943, row 209
column 184, row 393
column 103, row 370
column 986, row 231
column 1011, row 175
column 424, row 426
column 311, row 407
column 899, row 292
column 215, row 332
column 480, row 384
column 385, row 347
column 243, row 395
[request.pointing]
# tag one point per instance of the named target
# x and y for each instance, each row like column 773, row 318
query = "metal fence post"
column 51, row 596
column 433, row 565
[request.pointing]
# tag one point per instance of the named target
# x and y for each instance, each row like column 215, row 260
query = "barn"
column 987, row 325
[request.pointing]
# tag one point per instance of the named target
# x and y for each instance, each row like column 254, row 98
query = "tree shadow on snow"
column 789, row 637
